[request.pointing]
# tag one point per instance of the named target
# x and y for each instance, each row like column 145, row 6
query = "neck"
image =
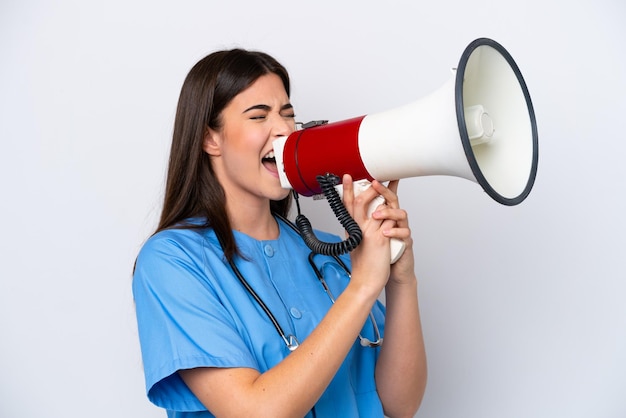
column 257, row 222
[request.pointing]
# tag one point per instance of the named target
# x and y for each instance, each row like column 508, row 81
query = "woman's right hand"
column 371, row 259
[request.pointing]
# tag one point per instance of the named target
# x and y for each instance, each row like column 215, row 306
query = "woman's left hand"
column 402, row 271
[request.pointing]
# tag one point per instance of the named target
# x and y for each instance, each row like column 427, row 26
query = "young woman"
column 236, row 316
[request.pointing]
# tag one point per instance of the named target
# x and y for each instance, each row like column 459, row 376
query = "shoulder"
column 177, row 249
column 174, row 238
column 187, row 238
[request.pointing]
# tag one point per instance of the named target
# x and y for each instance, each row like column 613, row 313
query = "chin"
column 283, row 195
column 280, row 194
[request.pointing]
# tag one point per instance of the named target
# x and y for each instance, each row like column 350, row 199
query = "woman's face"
column 241, row 150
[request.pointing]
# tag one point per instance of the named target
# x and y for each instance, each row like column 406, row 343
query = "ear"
column 212, row 142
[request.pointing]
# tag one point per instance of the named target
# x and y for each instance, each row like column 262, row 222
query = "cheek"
column 246, row 139
column 242, row 153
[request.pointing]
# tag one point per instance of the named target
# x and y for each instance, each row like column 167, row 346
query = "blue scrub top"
column 192, row 311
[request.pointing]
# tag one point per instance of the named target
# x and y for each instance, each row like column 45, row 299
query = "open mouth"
column 269, row 161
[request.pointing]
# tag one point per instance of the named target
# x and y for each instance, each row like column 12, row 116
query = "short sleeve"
column 181, row 320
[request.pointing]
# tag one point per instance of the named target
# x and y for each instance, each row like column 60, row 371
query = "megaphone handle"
column 397, row 246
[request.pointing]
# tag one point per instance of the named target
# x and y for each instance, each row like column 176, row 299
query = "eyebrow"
column 264, row 107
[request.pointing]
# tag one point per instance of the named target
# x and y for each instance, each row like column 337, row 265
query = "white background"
column 523, row 307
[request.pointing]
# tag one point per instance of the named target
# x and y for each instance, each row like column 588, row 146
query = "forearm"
column 293, row 386
column 309, row 369
column 401, row 370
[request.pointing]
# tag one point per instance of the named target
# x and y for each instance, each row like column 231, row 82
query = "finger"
column 400, row 216
column 393, row 186
column 388, row 193
column 348, row 193
column 397, row 232
column 357, row 203
column 364, row 200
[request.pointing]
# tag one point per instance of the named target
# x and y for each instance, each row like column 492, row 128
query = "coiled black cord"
column 355, row 235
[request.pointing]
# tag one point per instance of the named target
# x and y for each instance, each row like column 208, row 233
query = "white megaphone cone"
column 480, row 126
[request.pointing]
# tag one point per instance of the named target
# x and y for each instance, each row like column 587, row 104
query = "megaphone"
column 480, row 126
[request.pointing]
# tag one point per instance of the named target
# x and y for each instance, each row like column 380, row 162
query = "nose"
column 283, row 126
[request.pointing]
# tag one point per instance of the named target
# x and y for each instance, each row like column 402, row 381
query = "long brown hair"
column 192, row 189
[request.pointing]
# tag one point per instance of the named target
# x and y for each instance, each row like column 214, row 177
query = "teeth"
column 269, row 155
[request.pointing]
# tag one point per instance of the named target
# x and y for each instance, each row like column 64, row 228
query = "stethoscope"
column 290, row 340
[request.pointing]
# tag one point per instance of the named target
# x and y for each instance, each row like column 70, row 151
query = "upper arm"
column 182, row 323
column 222, row 390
